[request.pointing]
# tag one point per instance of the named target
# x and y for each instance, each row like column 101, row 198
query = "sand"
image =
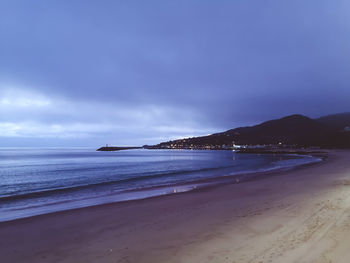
column 302, row 215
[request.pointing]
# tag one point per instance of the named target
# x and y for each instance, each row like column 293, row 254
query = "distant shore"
column 253, row 150
column 277, row 219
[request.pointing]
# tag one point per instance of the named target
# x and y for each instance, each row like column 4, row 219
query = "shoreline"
column 162, row 190
column 278, row 218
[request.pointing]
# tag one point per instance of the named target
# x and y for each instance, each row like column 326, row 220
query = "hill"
column 296, row 130
column 339, row 121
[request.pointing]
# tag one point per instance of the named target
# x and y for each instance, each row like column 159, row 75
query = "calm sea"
column 38, row 181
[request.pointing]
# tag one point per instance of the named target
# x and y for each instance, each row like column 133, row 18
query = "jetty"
column 116, row 148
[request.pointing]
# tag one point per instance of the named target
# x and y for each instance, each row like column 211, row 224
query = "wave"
column 144, row 176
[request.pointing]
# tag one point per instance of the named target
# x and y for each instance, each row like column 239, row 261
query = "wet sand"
column 302, row 215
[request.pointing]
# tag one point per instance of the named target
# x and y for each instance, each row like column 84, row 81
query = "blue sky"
column 86, row 73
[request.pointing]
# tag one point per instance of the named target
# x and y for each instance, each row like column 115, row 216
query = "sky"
column 90, row 73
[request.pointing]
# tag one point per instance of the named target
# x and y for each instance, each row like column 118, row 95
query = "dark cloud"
column 197, row 65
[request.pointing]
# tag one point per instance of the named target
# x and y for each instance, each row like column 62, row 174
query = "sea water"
column 36, row 181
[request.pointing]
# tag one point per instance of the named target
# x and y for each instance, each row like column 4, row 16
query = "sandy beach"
column 301, row 215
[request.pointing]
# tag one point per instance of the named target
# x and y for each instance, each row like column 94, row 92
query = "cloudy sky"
column 87, row 73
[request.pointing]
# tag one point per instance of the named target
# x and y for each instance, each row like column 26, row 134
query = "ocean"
column 37, row 181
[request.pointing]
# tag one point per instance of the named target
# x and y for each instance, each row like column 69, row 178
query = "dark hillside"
column 296, row 130
column 337, row 121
